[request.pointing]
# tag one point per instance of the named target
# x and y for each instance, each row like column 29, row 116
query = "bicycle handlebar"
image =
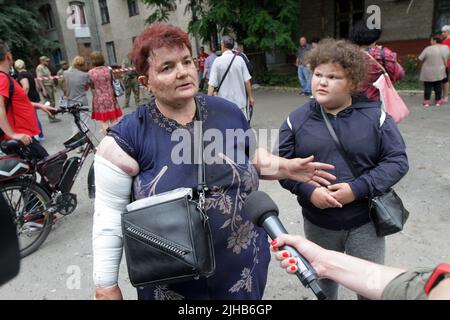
column 73, row 109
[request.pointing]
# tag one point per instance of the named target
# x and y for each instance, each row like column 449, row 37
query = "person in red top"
column 367, row 39
column 19, row 122
column 201, row 66
column 446, row 35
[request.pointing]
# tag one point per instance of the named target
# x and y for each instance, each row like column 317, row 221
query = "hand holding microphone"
column 264, row 213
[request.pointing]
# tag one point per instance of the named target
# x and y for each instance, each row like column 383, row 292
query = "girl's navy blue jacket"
column 378, row 151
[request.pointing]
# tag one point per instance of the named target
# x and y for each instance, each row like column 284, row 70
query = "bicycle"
column 35, row 202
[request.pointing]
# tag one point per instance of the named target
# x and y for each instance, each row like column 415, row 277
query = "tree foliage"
column 21, row 26
column 258, row 24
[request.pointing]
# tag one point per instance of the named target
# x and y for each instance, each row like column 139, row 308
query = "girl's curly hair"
column 342, row 52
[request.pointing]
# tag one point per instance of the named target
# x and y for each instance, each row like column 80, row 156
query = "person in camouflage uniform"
column 47, row 86
column 64, row 67
column 131, row 83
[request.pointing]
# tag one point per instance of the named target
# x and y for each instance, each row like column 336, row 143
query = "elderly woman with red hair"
column 136, row 160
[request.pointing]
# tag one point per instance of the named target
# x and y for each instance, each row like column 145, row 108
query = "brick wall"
column 406, row 32
column 407, row 47
column 317, row 18
column 398, row 24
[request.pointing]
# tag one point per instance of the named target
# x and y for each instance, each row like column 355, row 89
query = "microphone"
column 264, row 213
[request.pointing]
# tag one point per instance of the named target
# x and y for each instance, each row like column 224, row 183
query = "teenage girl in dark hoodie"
column 337, row 217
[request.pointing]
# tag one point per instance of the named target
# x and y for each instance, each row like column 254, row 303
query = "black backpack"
column 247, row 61
column 9, row 101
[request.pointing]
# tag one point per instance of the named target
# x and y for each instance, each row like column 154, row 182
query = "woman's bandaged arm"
column 114, row 171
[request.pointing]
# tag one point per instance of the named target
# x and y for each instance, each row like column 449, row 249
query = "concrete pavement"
column 62, row 267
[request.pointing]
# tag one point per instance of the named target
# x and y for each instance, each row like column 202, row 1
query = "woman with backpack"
column 367, row 39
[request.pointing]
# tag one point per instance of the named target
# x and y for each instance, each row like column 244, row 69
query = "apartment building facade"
column 109, row 26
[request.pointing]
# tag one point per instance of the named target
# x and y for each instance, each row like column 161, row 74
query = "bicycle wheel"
column 29, row 204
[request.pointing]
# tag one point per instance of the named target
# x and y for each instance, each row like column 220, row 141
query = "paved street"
column 51, row 272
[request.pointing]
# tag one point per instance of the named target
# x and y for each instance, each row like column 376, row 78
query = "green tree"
column 22, row 27
column 259, row 25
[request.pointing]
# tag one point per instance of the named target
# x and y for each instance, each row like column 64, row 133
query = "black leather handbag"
column 170, row 241
column 386, row 211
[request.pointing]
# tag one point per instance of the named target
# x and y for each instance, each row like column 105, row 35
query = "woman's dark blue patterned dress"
column 241, row 248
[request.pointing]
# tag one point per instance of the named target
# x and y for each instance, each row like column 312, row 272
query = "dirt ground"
column 49, row 273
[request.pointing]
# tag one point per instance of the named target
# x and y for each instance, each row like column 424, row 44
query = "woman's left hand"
column 304, row 170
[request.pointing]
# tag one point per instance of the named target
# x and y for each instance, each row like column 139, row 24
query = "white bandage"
column 113, row 190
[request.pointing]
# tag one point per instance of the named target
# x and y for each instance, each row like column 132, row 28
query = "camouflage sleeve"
column 39, row 72
column 408, row 286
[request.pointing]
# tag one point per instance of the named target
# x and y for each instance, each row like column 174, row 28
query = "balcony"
column 82, row 32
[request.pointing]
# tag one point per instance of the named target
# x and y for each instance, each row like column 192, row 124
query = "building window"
column 57, row 57
column 104, row 13
column 77, row 13
column 133, row 8
column 47, row 14
column 441, row 15
column 111, row 50
column 348, row 12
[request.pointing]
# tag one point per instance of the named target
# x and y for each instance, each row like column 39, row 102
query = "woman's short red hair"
column 158, row 35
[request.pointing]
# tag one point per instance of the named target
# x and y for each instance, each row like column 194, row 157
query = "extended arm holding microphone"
column 264, row 213
column 366, row 278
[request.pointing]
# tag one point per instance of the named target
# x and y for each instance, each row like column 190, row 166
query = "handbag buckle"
column 372, row 202
column 201, row 206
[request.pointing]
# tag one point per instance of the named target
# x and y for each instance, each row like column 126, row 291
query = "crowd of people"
column 133, row 160
column 72, row 82
column 434, row 59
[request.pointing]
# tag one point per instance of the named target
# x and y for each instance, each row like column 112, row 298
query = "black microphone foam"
column 263, row 212
column 258, row 205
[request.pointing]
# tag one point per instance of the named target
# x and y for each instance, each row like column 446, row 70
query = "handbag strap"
column 376, row 61
column 338, row 144
column 201, row 186
column 111, row 73
column 226, row 72
column 11, row 91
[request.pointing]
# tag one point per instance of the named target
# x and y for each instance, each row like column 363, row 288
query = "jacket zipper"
column 157, row 242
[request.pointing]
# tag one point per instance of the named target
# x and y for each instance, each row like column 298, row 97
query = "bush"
column 411, row 64
column 409, row 85
column 272, row 79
